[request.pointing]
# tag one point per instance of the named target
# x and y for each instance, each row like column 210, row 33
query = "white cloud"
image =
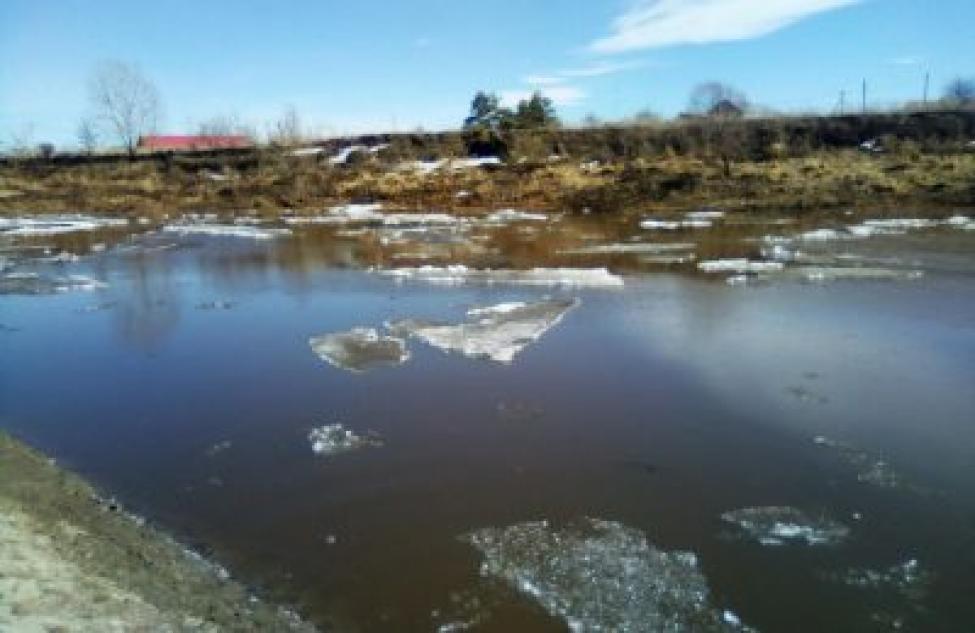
column 543, row 80
column 594, row 70
column 906, row 61
column 659, row 23
column 598, row 70
column 561, row 95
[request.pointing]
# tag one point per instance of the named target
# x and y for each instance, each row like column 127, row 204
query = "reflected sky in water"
column 661, row 405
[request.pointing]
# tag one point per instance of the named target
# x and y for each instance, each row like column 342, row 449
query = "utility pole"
column 927, row 84
column 842, row 102
column 864, row 96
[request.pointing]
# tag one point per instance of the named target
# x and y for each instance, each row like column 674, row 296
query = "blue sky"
column 374, row 65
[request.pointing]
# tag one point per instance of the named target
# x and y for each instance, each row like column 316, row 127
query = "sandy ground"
column 72, row 562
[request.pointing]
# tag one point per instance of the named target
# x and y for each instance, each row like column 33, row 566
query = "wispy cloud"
column 422, row 42
column 561, row 95
column 543, row 80
column 658, row 23
column 908, row 60
column 583, row 72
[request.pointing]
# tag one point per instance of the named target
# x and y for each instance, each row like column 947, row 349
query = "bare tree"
column 226, row 125
column 126, row 101
column 287, row 129
column 87, row 134
column 21, row 141
column 961, row 91
column 709, row 97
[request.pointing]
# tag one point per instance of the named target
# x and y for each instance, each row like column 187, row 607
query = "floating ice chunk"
column 333, row 439
column 459, row 274
column 513, row 215
column 601, row 576
column 342, row 214
column 497, row 333
column 673, row 225
column 705, row 214
column 663, row 225
column 739, row 266
column 57, row 224
column 778, row 525
column 420, row 219
column 35, row 284
column 225, row 230
column 908, row 579
column 870, row 469
column 359, row 349
column 630, row 248
column 822, row 235
column 820, row 274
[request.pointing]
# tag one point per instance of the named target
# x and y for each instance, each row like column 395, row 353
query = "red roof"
column 155, row 141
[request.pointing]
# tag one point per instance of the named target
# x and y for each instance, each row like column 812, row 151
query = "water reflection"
column 660, row 406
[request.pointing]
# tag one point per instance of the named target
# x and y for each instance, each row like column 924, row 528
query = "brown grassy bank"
column 794, row 164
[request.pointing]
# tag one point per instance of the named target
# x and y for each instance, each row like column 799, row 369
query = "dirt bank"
column 72, row 561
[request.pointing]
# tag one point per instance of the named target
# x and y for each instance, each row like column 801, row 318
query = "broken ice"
column 601, row 575
column 739, row 266
column 359, row 349
column 35, row 284
column 870, row 469
column 498, row 333
column 908, row 579
column 459, row 274
column 56, row 224
column 225, row 230
column 778, row 525
column 333, row 439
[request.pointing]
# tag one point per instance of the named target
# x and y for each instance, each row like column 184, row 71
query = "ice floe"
column 674, row 225
column 460, row 274
column 514, row 215
column 870, row 469
column 601, row 575
column 739, row 266
column 359, row 349
column 333, row 439
column 225, row 230
column 630, row 248
column 497, row 333
column 343, row 214
column 29, row 283
column 875, row 227
column 780, row 525
column 705, row 214
column 909, row 579
column 56, row 224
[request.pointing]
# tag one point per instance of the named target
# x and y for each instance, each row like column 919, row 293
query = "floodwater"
column 187, row 388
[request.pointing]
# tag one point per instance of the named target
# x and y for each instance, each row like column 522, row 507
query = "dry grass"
column 821, row 180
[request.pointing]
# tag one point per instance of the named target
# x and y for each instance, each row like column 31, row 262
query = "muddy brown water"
column 660, row 406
